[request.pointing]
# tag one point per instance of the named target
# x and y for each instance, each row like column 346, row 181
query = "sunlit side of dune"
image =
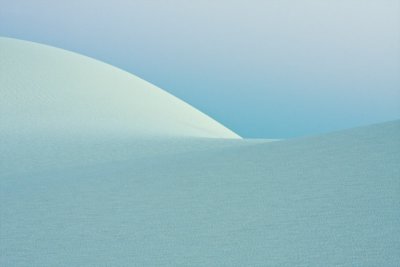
column 48, row 90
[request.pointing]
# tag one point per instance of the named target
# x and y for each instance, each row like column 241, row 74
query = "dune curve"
column 45, row 90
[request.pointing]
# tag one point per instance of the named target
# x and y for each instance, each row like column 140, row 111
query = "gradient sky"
column 273, row 69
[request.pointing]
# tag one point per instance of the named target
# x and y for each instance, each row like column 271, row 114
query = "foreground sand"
column 320, row 201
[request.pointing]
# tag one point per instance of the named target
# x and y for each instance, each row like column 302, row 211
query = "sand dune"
column 46, row 89
column 322, row 201
column 103, row 194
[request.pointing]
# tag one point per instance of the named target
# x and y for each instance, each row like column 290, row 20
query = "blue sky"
column 273, row 69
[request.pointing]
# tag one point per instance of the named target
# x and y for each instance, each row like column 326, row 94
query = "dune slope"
column 330, row 200
column 46, row 90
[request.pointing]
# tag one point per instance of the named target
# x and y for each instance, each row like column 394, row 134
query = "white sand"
column 45, row 89
column 87, row 188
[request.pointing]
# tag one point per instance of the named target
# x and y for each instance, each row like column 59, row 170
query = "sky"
column 265, row 69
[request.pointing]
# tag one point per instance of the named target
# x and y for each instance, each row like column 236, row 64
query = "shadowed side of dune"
column 330, row 200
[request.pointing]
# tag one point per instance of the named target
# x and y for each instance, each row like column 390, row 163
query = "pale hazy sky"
column 273, row 69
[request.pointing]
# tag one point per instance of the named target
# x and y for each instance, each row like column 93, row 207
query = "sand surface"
column 107, row 193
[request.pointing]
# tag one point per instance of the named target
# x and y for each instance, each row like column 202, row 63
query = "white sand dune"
column 171, row 198
column 45, row 89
